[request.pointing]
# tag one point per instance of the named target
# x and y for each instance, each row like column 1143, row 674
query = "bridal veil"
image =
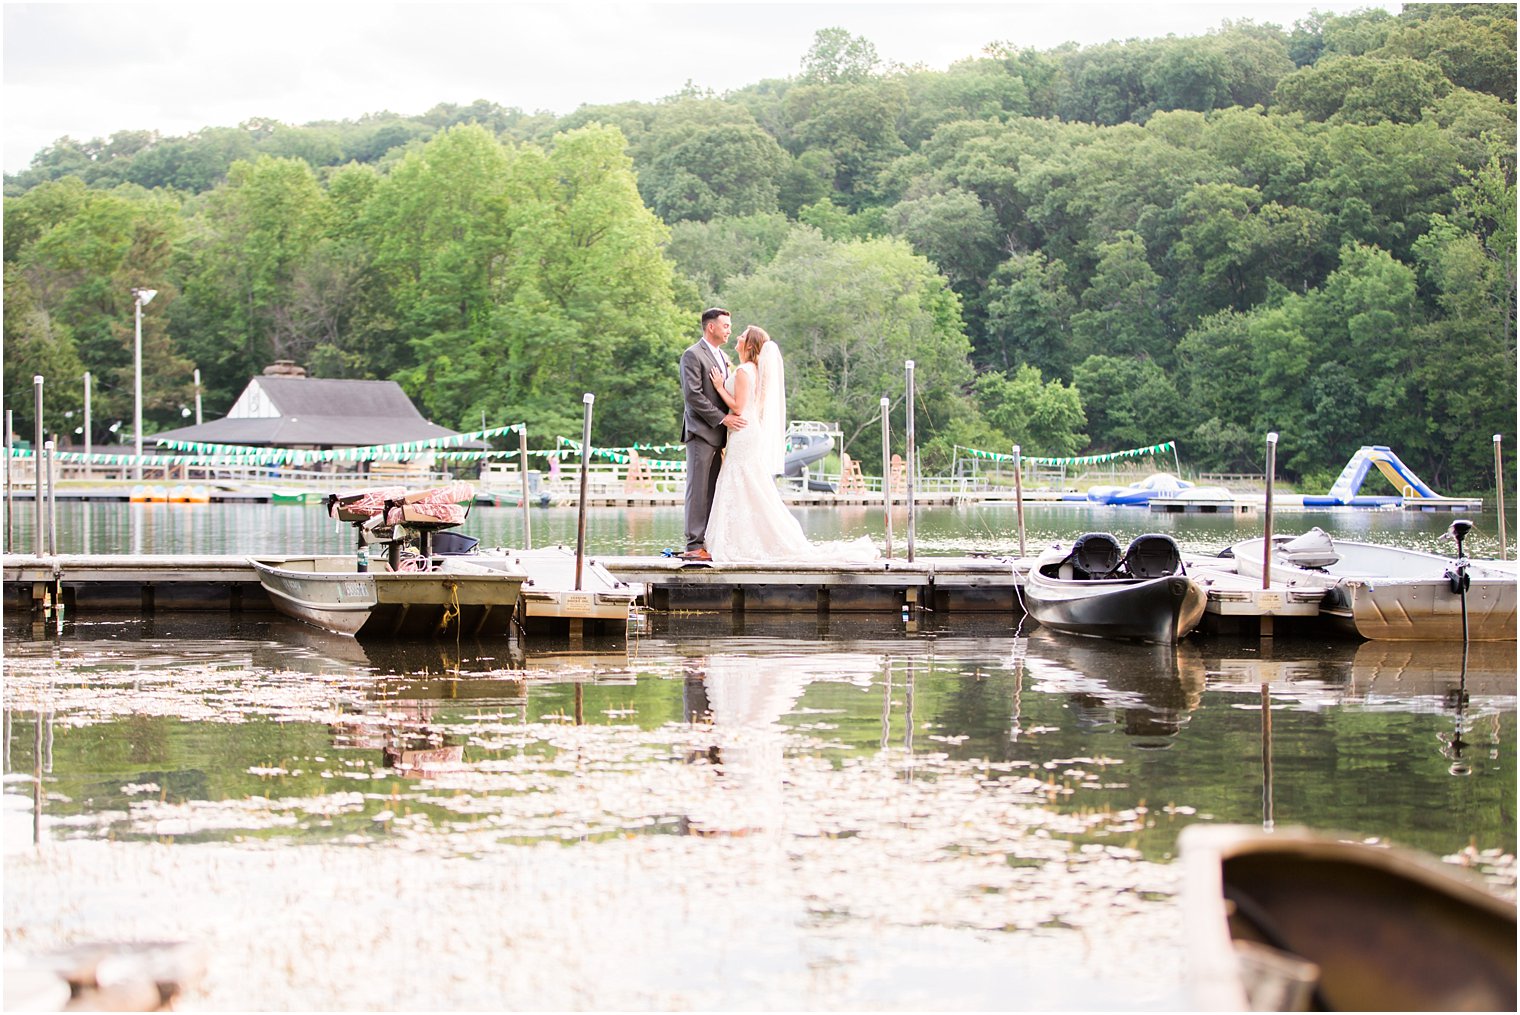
column 770, row 396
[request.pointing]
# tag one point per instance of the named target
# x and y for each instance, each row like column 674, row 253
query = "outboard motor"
column 1313, row 549
column 1154, row 555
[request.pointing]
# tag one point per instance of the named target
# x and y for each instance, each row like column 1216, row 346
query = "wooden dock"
column 147, row 584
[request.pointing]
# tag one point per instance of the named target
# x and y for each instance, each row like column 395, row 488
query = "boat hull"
column 1387, row 593
column 331, row 593
column 1163, row 610
column 1430, row 611
column 1289, row 920
column 552, row 591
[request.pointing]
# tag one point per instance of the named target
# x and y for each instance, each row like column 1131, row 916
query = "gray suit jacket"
column 705, row 410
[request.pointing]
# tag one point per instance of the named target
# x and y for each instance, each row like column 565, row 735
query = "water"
column 718, row 812
column 280, row 528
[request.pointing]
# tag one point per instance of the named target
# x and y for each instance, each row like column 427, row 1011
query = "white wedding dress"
column 749, row 522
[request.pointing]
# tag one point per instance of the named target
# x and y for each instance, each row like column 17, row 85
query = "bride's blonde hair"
column 750, row 342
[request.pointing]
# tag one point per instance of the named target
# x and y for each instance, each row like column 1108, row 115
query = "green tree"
column 711, row 253
column 836, row 56
column 1121, row 310
column 258, row 233
column 847, row 316
column 855, row 123
column 549, row 284
column 1043, row 419
column 1029, row 311
column 705, row 159
column 81, row 253
column 1128, row 403
column 37, row 345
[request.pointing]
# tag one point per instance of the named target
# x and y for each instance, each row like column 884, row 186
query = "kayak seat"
column 1095, row 555
column 1153, row 555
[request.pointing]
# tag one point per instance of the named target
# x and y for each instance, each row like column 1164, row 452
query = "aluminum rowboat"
column 330, row 592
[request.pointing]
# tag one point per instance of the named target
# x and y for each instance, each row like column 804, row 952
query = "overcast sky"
column 89, row 70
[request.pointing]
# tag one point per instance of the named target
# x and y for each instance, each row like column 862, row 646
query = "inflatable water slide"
column 1343, row 492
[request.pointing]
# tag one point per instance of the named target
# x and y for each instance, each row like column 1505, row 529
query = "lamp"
column 140, row 298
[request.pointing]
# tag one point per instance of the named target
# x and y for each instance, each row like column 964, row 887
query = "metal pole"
column 1266, row 624
column 886, row 471
column 89, row 439
column 1266, row 548
column 1018, row 494
column 1499, row 481
column 912, row 464
column 10, row 501
column 522, row 447
column 197, row 396
column 52, row 501
column 137, row 385
column 580, row 527
column 37, row 463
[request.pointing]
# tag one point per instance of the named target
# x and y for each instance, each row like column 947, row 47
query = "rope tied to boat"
column 451, row 610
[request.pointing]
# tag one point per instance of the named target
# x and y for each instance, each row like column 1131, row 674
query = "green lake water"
column 722, row 812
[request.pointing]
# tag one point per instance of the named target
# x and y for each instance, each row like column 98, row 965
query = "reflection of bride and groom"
column 734, row 428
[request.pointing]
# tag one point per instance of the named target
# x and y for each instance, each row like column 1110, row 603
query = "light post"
column 140, row 299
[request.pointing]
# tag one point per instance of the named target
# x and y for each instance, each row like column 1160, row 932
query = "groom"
column 705, row 426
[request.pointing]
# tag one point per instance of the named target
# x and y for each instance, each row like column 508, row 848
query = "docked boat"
column 551, row 596
column 448, row 597
column 1293, row 921
column 1388, row 593
column 410, row 589
column 1092, row 588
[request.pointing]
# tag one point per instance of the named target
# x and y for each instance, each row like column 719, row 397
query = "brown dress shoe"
column 700, row 553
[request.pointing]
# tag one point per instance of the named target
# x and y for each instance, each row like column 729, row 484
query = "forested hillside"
column 1307, row 230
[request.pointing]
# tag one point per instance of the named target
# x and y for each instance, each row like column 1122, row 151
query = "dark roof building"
column 287, row 409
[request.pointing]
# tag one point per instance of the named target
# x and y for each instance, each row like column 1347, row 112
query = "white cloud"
column 89, row 70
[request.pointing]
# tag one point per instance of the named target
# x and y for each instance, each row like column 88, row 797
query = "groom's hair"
column 712, row 312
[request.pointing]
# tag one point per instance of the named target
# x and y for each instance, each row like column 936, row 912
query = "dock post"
column 580, row 528
column 886, row 471
column 37, row 463
column 1018, row 495
column 912, row 462
column 10, row 501
column 52, row 501
column 1499, row 482
column 522, row 458
column 1266, row 544
column 89, row 440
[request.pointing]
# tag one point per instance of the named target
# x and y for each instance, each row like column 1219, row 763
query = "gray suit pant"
column 702, row 464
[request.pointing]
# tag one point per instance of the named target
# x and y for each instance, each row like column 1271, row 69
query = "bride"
column 750, row 523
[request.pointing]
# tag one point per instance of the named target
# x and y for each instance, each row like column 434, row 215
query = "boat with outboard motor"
column 1389, row 592
column 410, row 590
column 1090, row 587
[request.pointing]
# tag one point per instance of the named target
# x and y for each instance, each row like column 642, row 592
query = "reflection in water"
column 746, row 700
column 861, row 795
column 1147, row 690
